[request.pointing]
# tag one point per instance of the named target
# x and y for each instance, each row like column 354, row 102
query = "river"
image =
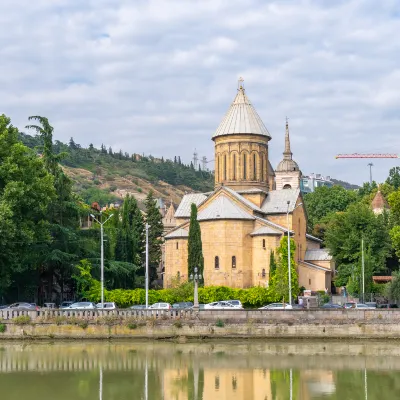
column 240, row 370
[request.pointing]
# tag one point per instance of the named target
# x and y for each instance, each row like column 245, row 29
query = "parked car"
column 235, row 303
column 49, row 305
column 350, row 304
column 24, row 306
column 66, row 304
column 372, row 304
column 160, row 306
column 219, row 305
column 138, row 307
column 297, row 307
column 387, row 306
column 277, row 306
column 182, row 305
column 364, row 306
column 3, row 306
column 82, row 305
column 106, row 306
column 331, row 305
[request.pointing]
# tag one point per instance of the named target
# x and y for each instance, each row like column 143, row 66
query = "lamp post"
column 101, row 255
column 196, row 277
column 288, row 240
column 147, row 265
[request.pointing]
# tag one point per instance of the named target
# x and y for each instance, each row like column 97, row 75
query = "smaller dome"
column 287, row 165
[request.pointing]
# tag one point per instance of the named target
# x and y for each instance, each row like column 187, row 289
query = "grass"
column 220, row 323
column 178, row 324
column 22, row 320
column 3, row 328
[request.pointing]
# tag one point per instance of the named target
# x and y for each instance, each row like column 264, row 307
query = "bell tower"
column 241, row 146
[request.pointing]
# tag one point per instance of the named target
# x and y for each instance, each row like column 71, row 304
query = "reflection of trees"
column 280, row 384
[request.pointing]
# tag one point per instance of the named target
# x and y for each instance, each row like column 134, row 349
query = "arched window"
column 233, row 262
column 244, row 166
column 262, row 168
column 234, row 167
column 254, row 167
column 263, row 274
column 287, row 186
column 216, row 262
column 263, row 242
column 177, row 245
column 225, row 167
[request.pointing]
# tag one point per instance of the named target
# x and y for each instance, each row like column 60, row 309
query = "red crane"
column 375, row 155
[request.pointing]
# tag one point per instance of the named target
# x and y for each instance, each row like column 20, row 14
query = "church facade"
column 251, row 208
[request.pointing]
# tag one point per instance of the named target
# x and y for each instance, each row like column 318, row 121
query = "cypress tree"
column 272, row 265
column 154, row 219
column 195, row 247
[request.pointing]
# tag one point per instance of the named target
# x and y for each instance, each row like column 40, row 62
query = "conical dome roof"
column 241, row 118
column 287, row 164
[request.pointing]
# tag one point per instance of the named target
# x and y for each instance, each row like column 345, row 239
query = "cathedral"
column 251, row 208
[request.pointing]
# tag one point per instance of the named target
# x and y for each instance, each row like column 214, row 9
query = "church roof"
column 317, row 255
column 170, row 213
column 276, row 201
column 183, row 211
column 313, row 238
column 379, row 202
column 287, row 164
column 265, row 231
column 223, row 208
column 177, row 233
column 314, row 266
column 242, row 199
column 241, row 118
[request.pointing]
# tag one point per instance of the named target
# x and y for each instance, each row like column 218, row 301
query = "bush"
column 220, row 323
column 132, row 326
column 83, row 324
column 22, row 320
column 177, row 324
column 3, row 328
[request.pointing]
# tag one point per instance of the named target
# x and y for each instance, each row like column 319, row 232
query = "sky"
column 156, row 77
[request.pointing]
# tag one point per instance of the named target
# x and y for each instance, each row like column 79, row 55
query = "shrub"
column 132, row 326
column 177, row 324
column 22, row 320
column 60, row 320
column 3, row 328
column 109, row 320
column 83, row 324
column 220, row 323
column 140, row 190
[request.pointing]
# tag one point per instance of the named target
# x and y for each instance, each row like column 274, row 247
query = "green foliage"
column 219, row 323
column 279, row 282
column 393, row 288
column 195, row 247
column 3, row 328
column 325, row 201
column 272, row 264
column 394, row 177
column 154, row 219
column 22, row 320
column 177, row 324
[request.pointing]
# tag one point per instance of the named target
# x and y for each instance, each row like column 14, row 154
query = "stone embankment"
column 151, row 324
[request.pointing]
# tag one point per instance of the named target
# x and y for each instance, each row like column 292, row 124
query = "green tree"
column 325, row 201
column 154, row 219
column 272, row 264
column 195, row 247
column 279, row 284
column 393, row 288
column 394, row 177
column 26, row 190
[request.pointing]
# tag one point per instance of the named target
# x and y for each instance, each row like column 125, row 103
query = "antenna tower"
column 195, row 159
column 204, row 163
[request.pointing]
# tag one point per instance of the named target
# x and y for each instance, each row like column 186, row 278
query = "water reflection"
column 200, row 371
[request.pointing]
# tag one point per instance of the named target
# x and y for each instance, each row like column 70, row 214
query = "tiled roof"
column 313, row 238
column 276, row 201
column 223, row 208
column 382, row 278
column 379, row 202
column 251, row 191
column 178, row 233
column 265, row 231
column 242, row 199
column 317, row 255
column 274, row 225
column 183, row 210
column 241, row 118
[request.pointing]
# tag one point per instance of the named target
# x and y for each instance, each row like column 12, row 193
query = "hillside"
column 105, row 176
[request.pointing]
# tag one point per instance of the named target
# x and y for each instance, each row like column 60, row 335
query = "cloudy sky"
column 157, row 76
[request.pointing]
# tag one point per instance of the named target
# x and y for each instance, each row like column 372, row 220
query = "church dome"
column 287, row 166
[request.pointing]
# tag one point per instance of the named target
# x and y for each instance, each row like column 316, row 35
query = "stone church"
column 251, row 208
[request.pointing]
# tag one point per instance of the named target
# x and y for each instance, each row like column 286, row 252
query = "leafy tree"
column 272, row 264
column 195, row 247
column 279, row 284
column 26, row 190
column 325, row 201
column 393, row 288
column 154, row 219
column 394, row 177
column 343, row 238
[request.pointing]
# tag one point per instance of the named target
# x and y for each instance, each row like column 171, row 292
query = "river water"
column 260, row 370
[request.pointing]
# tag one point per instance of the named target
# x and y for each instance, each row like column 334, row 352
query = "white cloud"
column 157, row 76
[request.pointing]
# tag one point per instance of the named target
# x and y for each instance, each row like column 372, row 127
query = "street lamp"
column 288, row 240
column 102, row 256
column 196, row 277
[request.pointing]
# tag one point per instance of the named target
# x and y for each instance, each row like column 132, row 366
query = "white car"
column 361, row 306
column 235, row 303
column 219, row 305
column 277, row 306
column 82, row 305
column 160, row 306
column 106, row 306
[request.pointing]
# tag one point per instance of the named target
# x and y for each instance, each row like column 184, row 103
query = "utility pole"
column 363, row 270
column 370, row 165
column 147, row 265
column 101, row 255
column 288, row 244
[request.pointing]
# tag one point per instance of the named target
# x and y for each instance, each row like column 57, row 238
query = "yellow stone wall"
column 299, row 226
column 312, row 245
column 255, row 198
column 241, row 161
column 314, row 279
column 176, row 254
